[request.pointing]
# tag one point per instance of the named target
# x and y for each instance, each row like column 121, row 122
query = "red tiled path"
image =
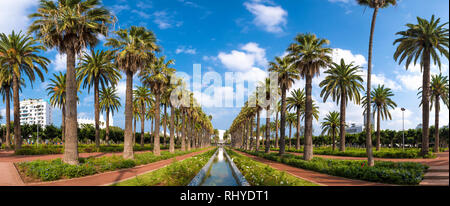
column 315, row 177
column 106, row 178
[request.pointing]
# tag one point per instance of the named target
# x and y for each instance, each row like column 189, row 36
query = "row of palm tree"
column 344, row 82
column 71, row 27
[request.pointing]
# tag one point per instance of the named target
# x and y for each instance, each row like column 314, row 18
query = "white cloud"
column 183, row 49
column 14, row 15
column 59, row 62
column 271, row 18
column 165, row 20
column 250, row 56
column 411, row 79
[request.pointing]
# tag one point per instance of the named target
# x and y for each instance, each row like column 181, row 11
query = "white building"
column 92, row 121
column 354, row 129
column 35, row 111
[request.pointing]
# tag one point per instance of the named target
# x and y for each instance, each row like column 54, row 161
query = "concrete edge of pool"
column 200, row 177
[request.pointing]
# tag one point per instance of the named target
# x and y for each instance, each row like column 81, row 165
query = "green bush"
column 409, row 153
column 402, row 173
column 51, row 170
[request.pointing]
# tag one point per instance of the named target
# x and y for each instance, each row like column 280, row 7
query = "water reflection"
column 220, row 173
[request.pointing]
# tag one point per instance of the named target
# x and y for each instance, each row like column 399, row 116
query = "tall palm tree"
column 439, row 90
column 6, row 78
column 330, row 126
column 70, row 26
column 57, row 92
column 155, row 77
column 134, row 49
column 20, row 55
column 310, row 55
column 381, row 99
column 174, row 83
column 376, row 5
column 98, row 70
column 423, row 41
column 142, row 98
column 297, row 102
column 343, row 84
column 109, row 103
column 287, row 74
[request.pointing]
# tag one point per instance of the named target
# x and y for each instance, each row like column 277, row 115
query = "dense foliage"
column 401, row 173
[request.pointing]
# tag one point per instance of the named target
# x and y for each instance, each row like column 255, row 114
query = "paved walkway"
column 311, row 176
column 10, row 177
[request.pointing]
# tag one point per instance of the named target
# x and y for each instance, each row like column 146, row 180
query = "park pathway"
column 10, row 176
column 311, row 176
column 437, row 174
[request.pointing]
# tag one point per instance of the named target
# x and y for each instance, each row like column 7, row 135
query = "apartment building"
column 35, row 111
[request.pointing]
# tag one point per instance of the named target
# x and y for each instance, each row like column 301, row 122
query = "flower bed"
column 59, row 149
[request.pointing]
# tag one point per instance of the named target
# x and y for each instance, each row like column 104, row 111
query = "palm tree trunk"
column 425, row 103
column 378, row 129
column 128, row 134
column 63, row 123
column 276, row 130
column 297, row 146
column 165, row 123
column 172, row 130
column 257, row 130
column 436, row 124
column 267, row 130
column 283, row 121
column 342, row 121
column 107, row 126
column 142, row 124
column 8, row 118
column 16, row 102
column 189, row 133
column 334, row 138
column 308, row 151
column 290, row 133
column 183, row 131
column 134, row 130
column 369, row 151
column 97, row 113
column 156, row 144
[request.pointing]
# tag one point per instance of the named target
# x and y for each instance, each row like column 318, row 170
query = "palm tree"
column 376, row 5
column 57, row 92
column 142, row 98
column 271, row 95
column 423, row 40
column 439, row 90
column 97, row 69
column 134, row 49
column 291, row 119
column 70, row 26
column 343, row 84
column 381, row 101
column 287, row 74
column 19, row 54
column 171, row 88
column 297, row 102
column 310, row 55
column 155, row 77
column 330, row 126
column 109, row 103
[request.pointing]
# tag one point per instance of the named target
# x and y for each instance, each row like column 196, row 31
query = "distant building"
column 92, row 121
column 35, row 111
column 354, row 129
column 419, row 126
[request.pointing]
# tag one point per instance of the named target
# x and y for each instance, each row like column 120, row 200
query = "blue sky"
column 243, row 35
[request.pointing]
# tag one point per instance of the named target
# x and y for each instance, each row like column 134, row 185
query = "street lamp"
column 403, row 128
